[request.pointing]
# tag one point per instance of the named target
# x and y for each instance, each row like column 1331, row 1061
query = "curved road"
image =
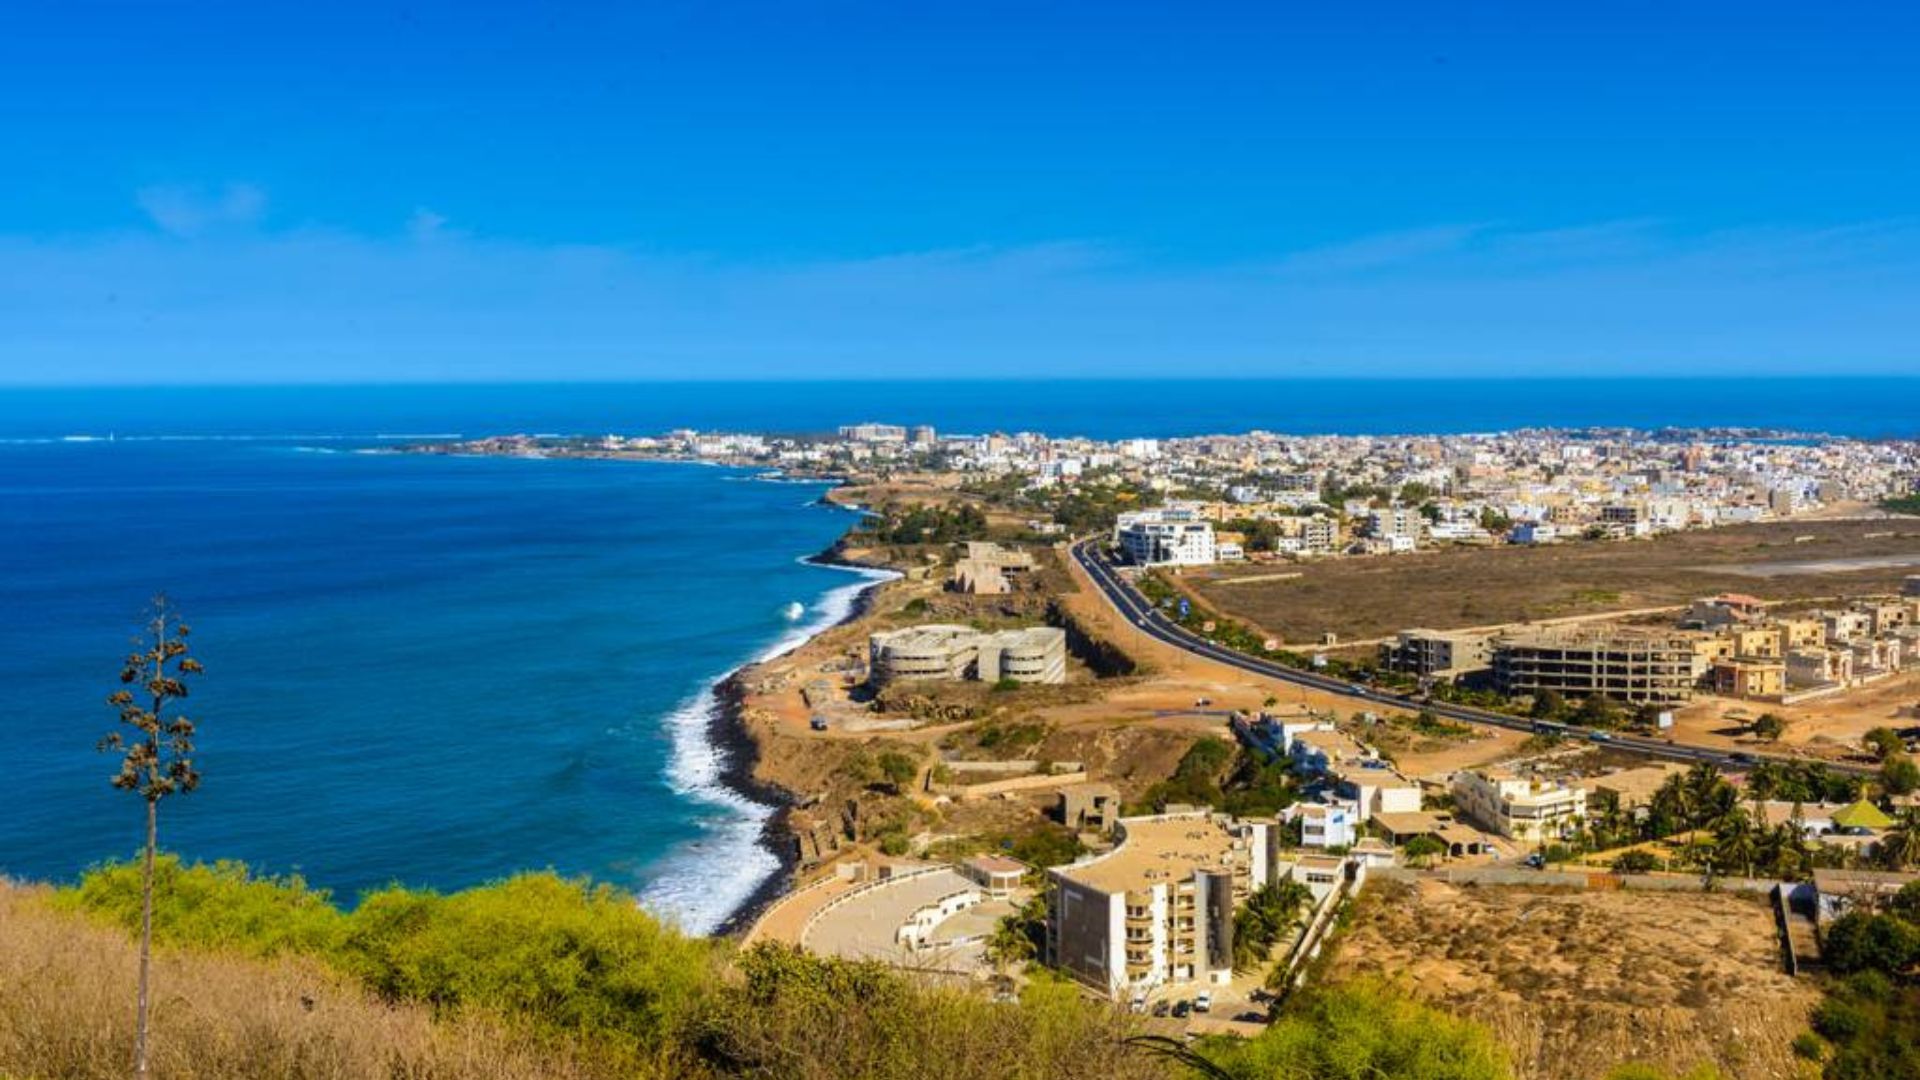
column 1150, row 621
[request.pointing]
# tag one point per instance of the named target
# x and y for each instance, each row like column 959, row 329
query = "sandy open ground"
column 1575, row 982
column 1826, row 727
column 1367, row 598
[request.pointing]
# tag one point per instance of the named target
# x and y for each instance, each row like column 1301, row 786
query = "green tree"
column 1735, row 847
column 1899, row 775
column 1264, row 919
column 898, row 769
column 1769, row 726
column 1637, row 861
column 1858, row 941
column 1598, row 711
column 1019, row 937
column 1884, row 742
column 156, row 761
column 1899, row 845
column 1422, row 850
column 1548, row 705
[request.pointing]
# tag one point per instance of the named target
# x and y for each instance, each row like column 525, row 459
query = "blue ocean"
column 439, row 670
column 433, row 670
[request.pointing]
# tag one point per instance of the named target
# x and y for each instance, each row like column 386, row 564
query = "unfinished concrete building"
column 1637, row 667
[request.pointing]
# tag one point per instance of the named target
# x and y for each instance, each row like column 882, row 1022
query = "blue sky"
column 268, row 192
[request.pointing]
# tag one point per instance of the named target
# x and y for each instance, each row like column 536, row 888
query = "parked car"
column 1203, row 1001
column 1139, row 1003
column 819, row 723
column 1182, row 1007
column 1536, row 861
column 1161, row 1008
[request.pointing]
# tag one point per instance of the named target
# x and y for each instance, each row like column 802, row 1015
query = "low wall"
column 990, row 788
column 1563, row 879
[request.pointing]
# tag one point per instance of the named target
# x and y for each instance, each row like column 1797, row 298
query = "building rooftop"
column 997, row 864
column 1636, row 786
column 1163, row 849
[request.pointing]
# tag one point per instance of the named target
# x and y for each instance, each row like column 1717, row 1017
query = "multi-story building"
column 1150, row 538
column 1158, row 908
column 1518, row 807
column 1325, row 825
column 1744, row 678
column 1319, row 536
column 1633, row 666
column 1395, row 521
column 933, row 651
column 1035, row 655
column 940, row 652
column 876, row 433
column 1435, row 653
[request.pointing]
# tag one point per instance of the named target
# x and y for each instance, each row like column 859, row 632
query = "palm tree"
column 1735, row 845
column 1899, row 845
column 1264, row 919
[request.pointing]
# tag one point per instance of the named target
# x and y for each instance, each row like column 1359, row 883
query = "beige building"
column 1435, row 653
column 1518, row 807
column 1158, row 908
column 1633, row 666
column 986, row 568
column 1745, row 678
column 1036, row 654
column 933, row 651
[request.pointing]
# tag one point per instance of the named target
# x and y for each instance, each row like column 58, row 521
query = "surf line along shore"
column 739, row 751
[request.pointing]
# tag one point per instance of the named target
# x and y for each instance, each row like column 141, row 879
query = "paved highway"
column 1154, row 623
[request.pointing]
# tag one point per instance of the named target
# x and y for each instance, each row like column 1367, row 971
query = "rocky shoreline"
column 730, row 732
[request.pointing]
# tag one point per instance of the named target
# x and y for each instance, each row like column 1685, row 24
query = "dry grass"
column 1375, row 597
column 66, row 1010
column 1574, row 982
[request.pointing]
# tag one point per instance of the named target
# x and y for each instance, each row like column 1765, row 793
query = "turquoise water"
column 434, row 670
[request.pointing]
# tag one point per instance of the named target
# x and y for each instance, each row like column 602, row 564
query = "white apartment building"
column 1531, row 811
column 1172, row 536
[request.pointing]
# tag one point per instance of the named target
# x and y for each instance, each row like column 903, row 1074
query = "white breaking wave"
column 703, row 882
column 793, row 611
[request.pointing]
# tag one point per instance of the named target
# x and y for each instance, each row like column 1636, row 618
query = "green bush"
column 1839, row 1020
column 575, row 957
column 222, row 906
column 582, row 958
column 1808, row 1045
column 1363, row 1031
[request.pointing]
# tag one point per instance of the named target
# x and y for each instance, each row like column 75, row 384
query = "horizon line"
column 984, row 380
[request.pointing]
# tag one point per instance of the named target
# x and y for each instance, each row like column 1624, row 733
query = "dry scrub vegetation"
column 66, row 1011
column 1574, row 982
column 1365, row 598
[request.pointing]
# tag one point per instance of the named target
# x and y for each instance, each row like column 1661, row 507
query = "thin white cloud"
column 189, row 211
column 1379, row 251
column 316, row 303
column 425, row 225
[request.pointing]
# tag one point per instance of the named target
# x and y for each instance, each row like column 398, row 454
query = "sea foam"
column 704, row 881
